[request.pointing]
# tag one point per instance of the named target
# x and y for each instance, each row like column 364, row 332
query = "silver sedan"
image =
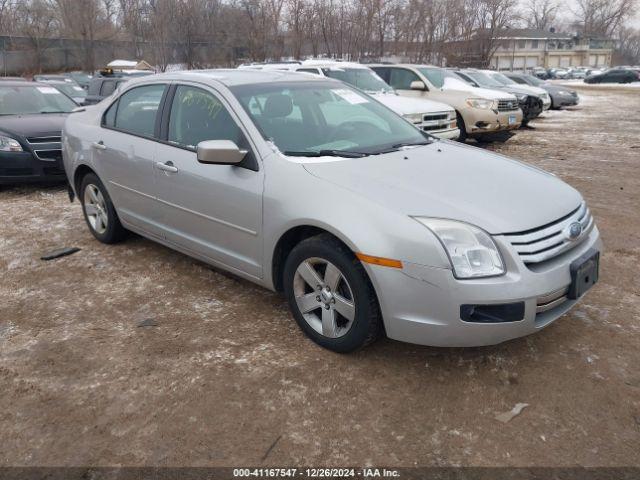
column 368, row 225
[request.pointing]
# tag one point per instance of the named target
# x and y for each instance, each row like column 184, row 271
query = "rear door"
column 124, row 153
column 214, row 211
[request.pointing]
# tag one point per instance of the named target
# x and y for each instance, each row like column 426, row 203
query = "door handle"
column 99, row 145
column 166, row 167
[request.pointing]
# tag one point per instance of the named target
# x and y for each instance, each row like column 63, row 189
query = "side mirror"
column 417, row 85
column 220, row 152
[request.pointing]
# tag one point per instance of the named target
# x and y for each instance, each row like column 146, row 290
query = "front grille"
column 546, row 242
column 40, row 140
column 51, row 155
column 437, row 116
column 551, row 300
column 507, row 105
column 432, row 122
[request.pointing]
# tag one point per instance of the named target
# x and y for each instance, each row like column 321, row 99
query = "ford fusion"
column 315, row 189
column 31, row 119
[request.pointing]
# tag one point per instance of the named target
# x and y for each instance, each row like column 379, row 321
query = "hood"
column 37, row 124
column 530, row 89
column 458, row 182
column 463, row 88
column 518, row 89
column 405, row 105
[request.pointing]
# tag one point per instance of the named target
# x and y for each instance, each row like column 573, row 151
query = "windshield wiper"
column 53, row 111
column 326, row 153
column 413, row 144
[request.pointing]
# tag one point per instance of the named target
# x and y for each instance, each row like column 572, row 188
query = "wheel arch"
column 80, row 172
column 288, row 240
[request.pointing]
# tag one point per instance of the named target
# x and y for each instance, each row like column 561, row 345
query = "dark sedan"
column 614, row 76
column 560, row 96
column 31, row 119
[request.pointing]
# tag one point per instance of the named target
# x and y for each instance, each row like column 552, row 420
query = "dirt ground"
column 225, row 378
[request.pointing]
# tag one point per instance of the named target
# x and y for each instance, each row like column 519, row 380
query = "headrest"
column 278, row 106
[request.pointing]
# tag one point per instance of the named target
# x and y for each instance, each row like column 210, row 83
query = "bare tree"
column 602, row 17
column 36, row 21
column 540, row 14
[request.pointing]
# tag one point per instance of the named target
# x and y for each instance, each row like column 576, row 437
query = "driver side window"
column 401, row 79
column 197, row 115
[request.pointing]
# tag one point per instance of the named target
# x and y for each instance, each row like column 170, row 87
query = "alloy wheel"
column 96, row 209
column 324, row 297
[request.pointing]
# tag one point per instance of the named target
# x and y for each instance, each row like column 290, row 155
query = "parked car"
column 50, row 78
column 614, row 76
column 107, row 81
column 102, row 87
column 74, row 92
column 366, row 223
column 13, row 79
column 481, row 113
column 577, row 72
column 530, row 104
column 81, row 78
column 432, row 117
column 31, row 119
column 558, row 73
column 540, row 72
column 561, row 96
column 507, row 82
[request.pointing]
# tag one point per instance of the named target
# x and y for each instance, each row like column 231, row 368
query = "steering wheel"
column 353, row 129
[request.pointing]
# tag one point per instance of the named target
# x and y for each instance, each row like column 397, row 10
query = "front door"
column 212, row 210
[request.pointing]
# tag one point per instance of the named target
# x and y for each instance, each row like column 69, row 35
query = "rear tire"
column 99, row 212
column 330, row 295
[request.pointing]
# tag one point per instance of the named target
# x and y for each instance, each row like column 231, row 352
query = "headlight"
column 521, row 96
column 562, row 92
column 482, row 103
column 472, row 252
column 414, row 117
column 8, row 144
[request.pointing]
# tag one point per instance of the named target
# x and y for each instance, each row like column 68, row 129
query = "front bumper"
column 421, row 304
column 24, row 167
column 565, row 100
column 451, row 134
column 481, row 122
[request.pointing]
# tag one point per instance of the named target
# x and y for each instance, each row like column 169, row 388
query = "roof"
column 528, row 33
column 333, row 63
column 231, row 77
column 22, row 83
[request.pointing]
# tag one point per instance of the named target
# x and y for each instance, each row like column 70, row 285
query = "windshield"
column 318, row 118
column 73, row 91
column 504, row 80
column 534, row 80
column 483, row 79
column 27, row 99
column 362, row 78
column 438, row 76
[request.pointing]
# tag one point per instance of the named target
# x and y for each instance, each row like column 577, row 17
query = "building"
column 524, row 48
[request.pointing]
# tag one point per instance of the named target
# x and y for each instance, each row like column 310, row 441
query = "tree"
column 540, row 14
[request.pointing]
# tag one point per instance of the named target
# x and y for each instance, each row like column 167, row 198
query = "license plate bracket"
column 512, row 119
column 584, row 273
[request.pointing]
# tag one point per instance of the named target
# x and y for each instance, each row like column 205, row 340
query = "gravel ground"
column 224, row 377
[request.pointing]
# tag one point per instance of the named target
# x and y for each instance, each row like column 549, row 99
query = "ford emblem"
column 574, row 230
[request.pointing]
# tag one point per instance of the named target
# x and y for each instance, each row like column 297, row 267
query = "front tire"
column 99, row 212
column 330, row 295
